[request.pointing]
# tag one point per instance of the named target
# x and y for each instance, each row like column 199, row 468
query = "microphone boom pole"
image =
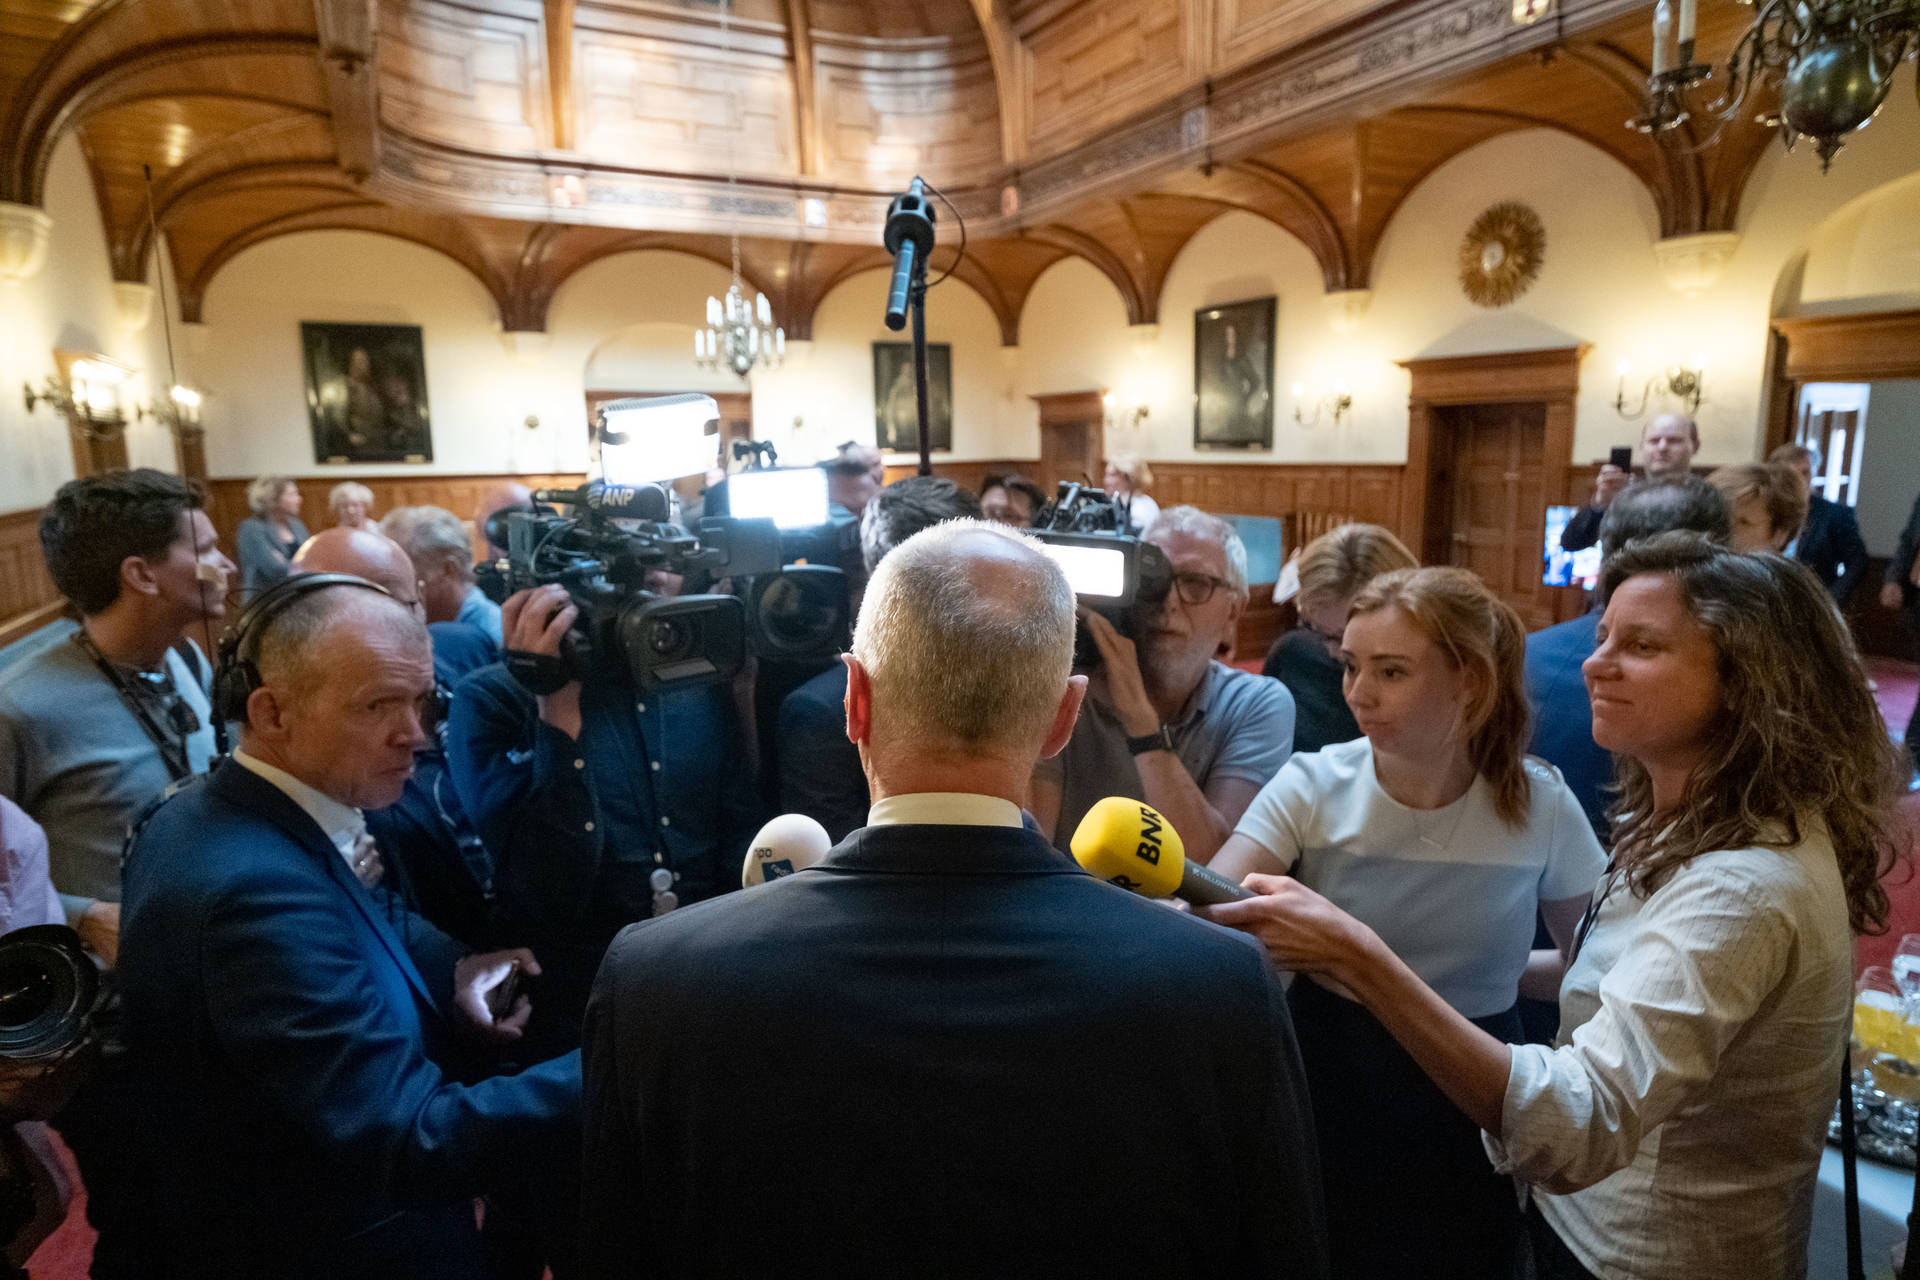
column 909, row 238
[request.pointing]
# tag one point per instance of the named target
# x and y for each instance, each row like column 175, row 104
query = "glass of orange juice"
column 1886, row 1038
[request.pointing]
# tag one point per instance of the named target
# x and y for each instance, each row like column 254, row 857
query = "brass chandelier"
column 1832, row 62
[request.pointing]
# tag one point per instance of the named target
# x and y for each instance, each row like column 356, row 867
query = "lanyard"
column 181, row 717
column 1592, row 914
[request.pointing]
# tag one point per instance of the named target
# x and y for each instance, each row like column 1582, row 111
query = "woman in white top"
column 1675, row 1128
column 1438, row 832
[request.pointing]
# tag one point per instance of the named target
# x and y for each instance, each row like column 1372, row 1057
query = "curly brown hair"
column 1482, row 636
column 1799, row 742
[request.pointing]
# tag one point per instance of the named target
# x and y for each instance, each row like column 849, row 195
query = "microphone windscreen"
column 1129, row 844
column 789, row 843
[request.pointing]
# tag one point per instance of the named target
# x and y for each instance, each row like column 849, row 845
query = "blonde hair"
column 1335, row 565
column 264, row 492
column 1773, row 483
column 1134, row 467
column 349, row 491
column 1481, row 635
column 956, row 665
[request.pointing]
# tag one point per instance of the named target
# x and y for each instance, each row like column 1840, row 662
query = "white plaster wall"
column 477, row 394
column 830, row 390
column 69, row 305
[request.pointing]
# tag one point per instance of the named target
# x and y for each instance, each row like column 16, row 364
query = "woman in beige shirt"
column 1675, row 1127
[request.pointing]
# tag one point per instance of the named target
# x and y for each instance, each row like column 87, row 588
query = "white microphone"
column 789, row 843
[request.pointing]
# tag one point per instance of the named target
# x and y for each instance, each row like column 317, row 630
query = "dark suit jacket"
column 1583, row 529
column 1563, row 714
column 818, row 769
column 1830, row 544
column 1903, row 554
column 944, row 1052
column 291, row 1052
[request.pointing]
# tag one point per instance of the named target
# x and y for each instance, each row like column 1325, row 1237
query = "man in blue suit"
column 947, row 1050
column 316, row 1100
column 1562, row 713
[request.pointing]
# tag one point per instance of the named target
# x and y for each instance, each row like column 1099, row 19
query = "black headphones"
column 235, row 676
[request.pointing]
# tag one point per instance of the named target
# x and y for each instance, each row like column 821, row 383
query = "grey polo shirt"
column 73, row 757
column 1236, row 725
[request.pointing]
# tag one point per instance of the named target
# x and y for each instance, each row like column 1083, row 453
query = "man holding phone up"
column 1667, row 447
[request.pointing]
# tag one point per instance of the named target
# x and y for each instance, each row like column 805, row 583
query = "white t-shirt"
column 1452, row 891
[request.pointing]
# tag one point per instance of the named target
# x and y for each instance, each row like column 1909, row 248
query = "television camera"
column 1112, row 572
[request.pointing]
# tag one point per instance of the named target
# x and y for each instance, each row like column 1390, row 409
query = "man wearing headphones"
column 315, row 1098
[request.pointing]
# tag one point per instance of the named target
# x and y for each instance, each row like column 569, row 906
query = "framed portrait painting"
column 1233, row 375
column 367, row 392
column 896, row 414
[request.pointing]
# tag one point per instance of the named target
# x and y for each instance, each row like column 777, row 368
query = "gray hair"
column 967, row 636
column 264, row 492
column 349, row 491
column 293, row 651
column 907, row 506
column 1196, row 523
column 1648, row 507
column 429, row 535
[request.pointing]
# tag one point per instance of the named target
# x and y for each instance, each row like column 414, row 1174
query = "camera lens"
column 26, row 993
column 668, row 637
column 801, row 614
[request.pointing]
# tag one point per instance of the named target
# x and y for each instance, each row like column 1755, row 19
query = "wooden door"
column 1073, row 438
column 1499, row 501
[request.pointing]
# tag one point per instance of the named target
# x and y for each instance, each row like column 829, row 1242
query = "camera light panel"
column 1091, row 571
column 792, row 499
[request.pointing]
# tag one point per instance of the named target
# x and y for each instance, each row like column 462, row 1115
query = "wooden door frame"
column 1073, row 408
column 1867, row 346
column 1550, row 376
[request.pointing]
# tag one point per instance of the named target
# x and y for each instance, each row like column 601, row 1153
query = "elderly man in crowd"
column 1165, row 721
column 313, row 1101
column 946, row 1048
column 442, row 554
column 1667, row 446
column 817, row 768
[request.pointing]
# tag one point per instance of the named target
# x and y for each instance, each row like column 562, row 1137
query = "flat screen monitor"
column 1568, row 568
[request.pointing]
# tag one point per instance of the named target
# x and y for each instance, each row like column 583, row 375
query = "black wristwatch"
column 1160, row 739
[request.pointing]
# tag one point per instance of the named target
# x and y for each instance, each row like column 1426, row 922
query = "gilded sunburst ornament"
column 1501, row 255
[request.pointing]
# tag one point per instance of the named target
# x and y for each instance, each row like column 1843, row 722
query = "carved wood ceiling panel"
column 530, row 138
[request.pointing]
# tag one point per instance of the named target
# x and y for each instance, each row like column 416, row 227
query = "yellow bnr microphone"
column 1129, row 844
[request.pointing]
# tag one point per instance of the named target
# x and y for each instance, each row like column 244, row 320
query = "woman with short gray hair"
column 268, row 538
column 351, row 506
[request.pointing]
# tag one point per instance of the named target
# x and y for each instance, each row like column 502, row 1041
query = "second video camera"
column 1112, row 571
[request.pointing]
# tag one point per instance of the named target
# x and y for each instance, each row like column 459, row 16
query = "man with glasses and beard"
column 1165, row 721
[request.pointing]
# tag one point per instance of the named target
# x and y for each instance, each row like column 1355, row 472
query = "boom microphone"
column 619, row 501
column 1129, row 844
column 789, row 843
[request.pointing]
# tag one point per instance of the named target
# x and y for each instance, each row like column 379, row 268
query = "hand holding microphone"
column 1129, row 844
column 789, row 843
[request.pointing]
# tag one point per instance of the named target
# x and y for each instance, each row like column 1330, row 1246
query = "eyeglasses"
column 1197, row 588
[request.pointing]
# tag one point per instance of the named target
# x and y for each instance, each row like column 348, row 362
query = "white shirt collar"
column 944, row 809
column 342, row 823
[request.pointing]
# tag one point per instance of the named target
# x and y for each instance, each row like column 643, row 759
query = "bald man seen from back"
column 946, row 1050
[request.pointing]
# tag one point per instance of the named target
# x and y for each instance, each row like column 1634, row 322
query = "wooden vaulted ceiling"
column 529, row 138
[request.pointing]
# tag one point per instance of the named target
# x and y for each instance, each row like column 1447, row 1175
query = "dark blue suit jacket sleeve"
column 613, row 1233
column 290, row 994
column 1850, row 549
column 528, row 801
column 1583, row 530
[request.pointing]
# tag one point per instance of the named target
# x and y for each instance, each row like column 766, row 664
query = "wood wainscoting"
column 970, row 474
column 460, row 494
column 27, row 597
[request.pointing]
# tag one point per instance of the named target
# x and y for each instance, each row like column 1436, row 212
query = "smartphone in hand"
column 1621, row 456
column 500, row 1000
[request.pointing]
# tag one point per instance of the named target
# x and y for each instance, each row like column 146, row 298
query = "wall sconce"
column 1130, row 414
column 179, row 412
column 1337, row 404
column 1683, row 384
column 87, row 392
